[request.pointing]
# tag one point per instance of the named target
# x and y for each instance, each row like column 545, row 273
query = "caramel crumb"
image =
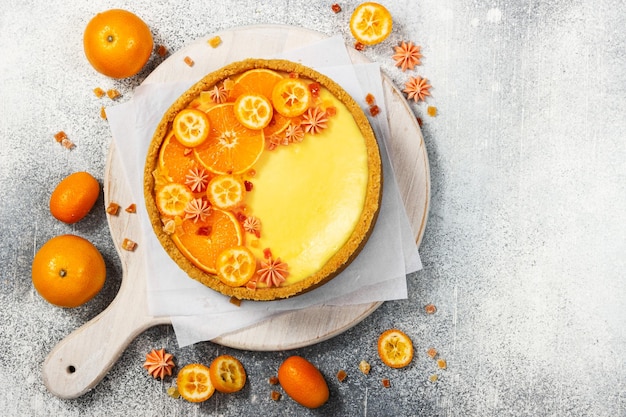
column 275, row 395
column 336, row 8
column 359, row 46
column 132, row 208
column 433, row 378
column 215, row 41
column 235, row 301
column 173, row 392
column 103, row 113
column 129, row 245
column 189, row 61
column 432, row 352
column 386, row 383
column 99, row 92
column 273, row 380
column 342, row 375
column 59, row 136
column 430, row 308
column 162, row 50
column 67, row 144
column 442, row 364
column 113, row 208
column 432, row 111
column 364, row 367
column 113, row 93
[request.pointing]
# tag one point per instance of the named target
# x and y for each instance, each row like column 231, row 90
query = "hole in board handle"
column 70, row 369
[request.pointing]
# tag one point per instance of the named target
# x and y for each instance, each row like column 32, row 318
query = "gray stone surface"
column 524, row 252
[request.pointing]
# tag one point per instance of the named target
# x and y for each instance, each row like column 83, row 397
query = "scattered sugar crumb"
column 442, row 364
column 433, row 378
column 275, row 395
column 235, row 301
column 430, row 308
column 365, row 367
column 215, row 41
column 386, row 383
column 113, row 93
column 113, row 209
column 99, row 92
column 342, row 375
column 336, row 8
column 103, row 113
column 129, row 245
column 432, row 111
column 432, row 352
column 132, row 208
column 162, row 50
column 189, row 61
column 273, row 380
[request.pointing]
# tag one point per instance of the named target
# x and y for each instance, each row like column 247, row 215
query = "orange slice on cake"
column 231, row 148
column 260, row 81
column 174, row 161
column 203, row 240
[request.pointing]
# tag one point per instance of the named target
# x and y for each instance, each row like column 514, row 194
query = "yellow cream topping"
column 310, row 195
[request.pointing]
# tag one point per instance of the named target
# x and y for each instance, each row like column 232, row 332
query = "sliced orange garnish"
column 235, row 266
column 231, row 148
column 194, row 383
column 191, row 127
column 254, row 111
column 255, row 81
column 395, row 348
column 227, row 374
column 225, row 191
column 203, row 240
column 174, row 161
column 291, row 97
column 172, row 199
column 370, row 23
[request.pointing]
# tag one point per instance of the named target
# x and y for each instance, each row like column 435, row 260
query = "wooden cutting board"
column 82, row 359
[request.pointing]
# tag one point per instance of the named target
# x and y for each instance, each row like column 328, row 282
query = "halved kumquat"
column 172, row 199
column 191, row 127
column 194, row 383
column 291, row 97
column 226, row 191
column 395, row 348
column 227, row 374
column 236, row 266
column 371, row 23
column 254, row 111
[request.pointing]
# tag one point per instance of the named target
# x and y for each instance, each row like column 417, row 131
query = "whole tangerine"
column 117, row 43
column 74, row 197
column 303, row 382
column 68, row 271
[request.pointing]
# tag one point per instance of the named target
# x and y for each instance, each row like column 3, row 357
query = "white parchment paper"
column 199, row 313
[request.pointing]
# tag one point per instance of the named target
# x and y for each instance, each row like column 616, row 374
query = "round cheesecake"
column 263, row 180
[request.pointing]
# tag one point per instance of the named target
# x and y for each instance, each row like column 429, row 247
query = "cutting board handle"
column 84, row 357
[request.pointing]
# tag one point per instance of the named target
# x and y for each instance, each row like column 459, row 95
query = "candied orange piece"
column 99, row 92
column 129, row 245
column 113, row 208
column 215, row 41
column 189, row 61
column 113, row 93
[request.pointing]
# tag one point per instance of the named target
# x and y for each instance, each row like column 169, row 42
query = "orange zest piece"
column 172, row 199
column 254, row 111
column 231, row 148
column 203, row 241
column 395, row 348
column 291, row 97
column 227, row 374
column 191, row 127
column 235, row 266
column 370, row 23
column 194, row 383
column 225, row 191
